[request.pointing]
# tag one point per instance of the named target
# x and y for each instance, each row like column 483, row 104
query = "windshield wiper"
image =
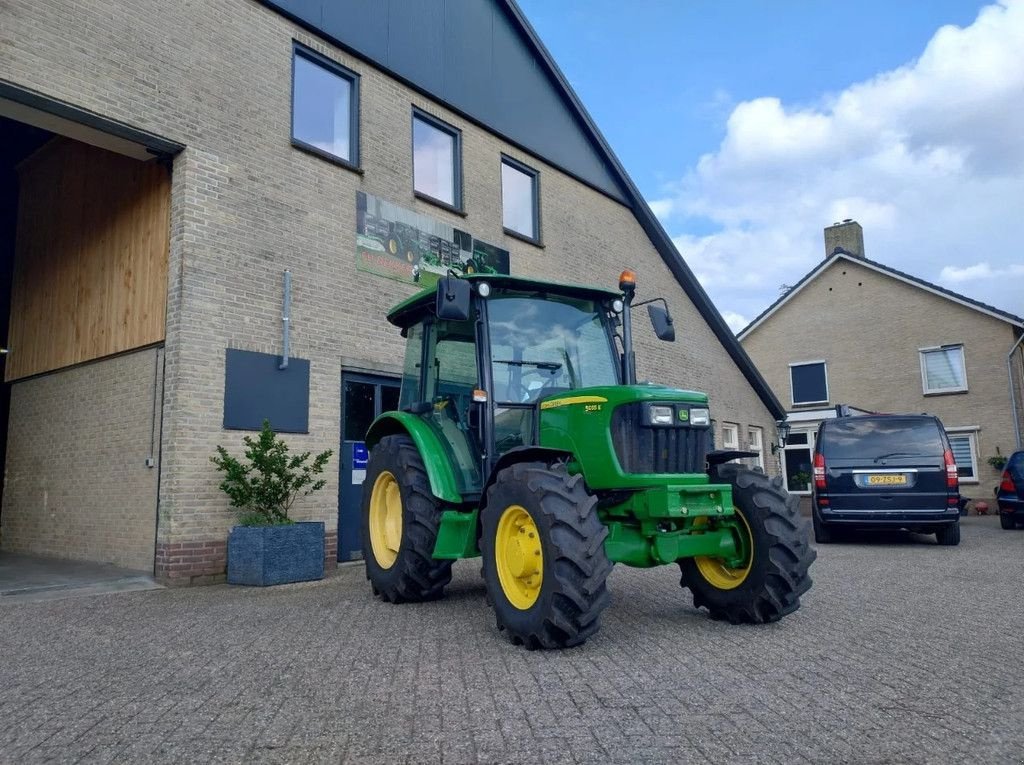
column 548, row 365
column 898, row 454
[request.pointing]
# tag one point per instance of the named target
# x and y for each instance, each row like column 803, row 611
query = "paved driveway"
column 903, row 652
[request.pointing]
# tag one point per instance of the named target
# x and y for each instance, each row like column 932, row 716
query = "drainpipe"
column 1013, row 395
column 286, row 317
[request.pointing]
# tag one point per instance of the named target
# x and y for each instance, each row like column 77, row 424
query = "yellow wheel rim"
column 518, row 557
column 721, row 576
column 385, row 519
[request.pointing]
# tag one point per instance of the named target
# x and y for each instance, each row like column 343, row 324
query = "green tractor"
column 522, row 436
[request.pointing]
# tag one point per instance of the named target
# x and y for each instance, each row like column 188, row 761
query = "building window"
column 436, row 160
column 809, row 382
column 755, row 443
column 965, row 455
column 730, row 436
column 796, row 462
column 520, row 199
column 325, row 111
column 943, row 369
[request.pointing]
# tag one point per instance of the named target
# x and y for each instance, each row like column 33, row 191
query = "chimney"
column 847, row 236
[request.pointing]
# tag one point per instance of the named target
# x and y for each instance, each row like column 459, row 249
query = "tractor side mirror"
column 453, row 297
column 661, row 320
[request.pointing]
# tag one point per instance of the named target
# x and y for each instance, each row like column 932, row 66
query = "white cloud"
column 979, row 272
column 929, row 158
column 735, row 321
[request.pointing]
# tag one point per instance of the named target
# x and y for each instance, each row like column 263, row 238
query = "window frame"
column 971, row 434
column 735, row 428
column 792, row 390
column 459, row 205
column 318, row 59
column 812, row 440
column 751, row 430
column 922, row 352
column 525, row 169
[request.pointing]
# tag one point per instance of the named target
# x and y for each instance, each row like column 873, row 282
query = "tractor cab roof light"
column 627, row 280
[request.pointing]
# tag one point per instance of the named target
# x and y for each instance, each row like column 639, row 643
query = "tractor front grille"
column 642, row 448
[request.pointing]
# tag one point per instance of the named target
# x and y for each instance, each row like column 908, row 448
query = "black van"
column 885, row 471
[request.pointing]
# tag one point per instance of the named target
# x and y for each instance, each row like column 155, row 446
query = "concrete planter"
column 265, row 555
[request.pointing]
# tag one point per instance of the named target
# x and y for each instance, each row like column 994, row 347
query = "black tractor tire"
column 823, row 535
column 415, row 575
column 1007, row 521
column 574, row 565
column 949, row 535
column 781, row 553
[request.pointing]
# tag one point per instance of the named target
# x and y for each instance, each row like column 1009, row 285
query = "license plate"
column 887, row 479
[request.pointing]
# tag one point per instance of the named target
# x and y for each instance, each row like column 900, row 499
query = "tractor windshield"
column 545, row 344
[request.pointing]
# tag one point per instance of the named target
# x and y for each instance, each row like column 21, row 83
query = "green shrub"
column 264, row 487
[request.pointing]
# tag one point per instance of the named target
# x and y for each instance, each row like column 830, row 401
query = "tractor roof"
column 409, row 310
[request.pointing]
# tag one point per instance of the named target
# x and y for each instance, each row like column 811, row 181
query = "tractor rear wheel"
column 774, row 573
column 400, row 518
column 544, row 562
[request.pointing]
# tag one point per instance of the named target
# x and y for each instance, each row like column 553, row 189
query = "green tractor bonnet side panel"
column 443, row 482
column 580, row 422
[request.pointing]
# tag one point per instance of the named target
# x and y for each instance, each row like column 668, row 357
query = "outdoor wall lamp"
column 783, row 429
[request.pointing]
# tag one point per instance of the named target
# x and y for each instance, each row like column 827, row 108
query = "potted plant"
column 268, row 547
column 998, row 462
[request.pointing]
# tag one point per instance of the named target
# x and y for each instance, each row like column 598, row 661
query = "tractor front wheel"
column 544, row 562
column 400, row 519
column 768, row 583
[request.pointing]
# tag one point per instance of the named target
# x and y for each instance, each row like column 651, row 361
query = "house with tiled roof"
column 857, row 332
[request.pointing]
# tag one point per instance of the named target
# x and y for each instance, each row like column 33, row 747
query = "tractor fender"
column 523, row 454
column 439, row 470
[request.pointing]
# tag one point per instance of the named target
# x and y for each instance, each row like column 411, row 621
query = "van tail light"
column 1007, row 483
column 952, row 477
column 819, row 471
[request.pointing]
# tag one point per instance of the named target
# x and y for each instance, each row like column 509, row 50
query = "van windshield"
column 877, row 438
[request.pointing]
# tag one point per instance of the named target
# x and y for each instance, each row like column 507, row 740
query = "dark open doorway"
column 363, row 398
column 17, row 141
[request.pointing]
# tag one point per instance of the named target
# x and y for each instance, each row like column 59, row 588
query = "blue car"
column 1010, row 494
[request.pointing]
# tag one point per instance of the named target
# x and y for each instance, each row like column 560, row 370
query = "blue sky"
column 707, row 105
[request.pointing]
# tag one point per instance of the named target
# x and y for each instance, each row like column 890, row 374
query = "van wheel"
column 1007, row 521
column 948, row 535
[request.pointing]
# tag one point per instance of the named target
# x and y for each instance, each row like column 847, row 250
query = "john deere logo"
column 684, row 414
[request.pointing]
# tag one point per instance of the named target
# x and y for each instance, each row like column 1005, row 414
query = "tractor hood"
column 616, row 441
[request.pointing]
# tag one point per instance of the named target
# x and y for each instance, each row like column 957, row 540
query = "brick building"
column 170, row 162
column 854, row 331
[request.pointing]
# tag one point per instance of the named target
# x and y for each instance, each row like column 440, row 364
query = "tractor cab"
column 522, row 436
column 479, row 366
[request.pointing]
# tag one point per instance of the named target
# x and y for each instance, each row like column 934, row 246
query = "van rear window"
column 874, row 437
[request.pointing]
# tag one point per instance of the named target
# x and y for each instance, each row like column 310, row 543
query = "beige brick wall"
column 868, row 327
column 216, row 77
column 77, row 484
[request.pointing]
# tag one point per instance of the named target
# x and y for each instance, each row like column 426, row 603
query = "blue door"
column 363, row 397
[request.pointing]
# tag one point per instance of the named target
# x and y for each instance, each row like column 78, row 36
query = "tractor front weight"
column 665, row 524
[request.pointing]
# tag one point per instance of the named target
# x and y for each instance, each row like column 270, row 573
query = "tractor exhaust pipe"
column 627, row 283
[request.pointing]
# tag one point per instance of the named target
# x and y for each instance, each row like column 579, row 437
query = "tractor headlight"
column 483, row 289
column 660, row 415
column 700, row 417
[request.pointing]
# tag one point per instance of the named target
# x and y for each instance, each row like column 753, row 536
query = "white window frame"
column 812, row 437
column 921, row 352
column 971, row 433
column 756, row 446
column 733, row 444
column 792, row 394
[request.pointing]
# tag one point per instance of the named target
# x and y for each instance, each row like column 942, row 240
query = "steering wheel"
column 533, row 394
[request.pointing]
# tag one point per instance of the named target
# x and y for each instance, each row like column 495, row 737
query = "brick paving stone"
column 901, row 653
